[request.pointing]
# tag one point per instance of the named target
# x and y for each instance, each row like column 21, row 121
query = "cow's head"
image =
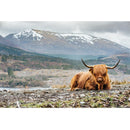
column 99, row 71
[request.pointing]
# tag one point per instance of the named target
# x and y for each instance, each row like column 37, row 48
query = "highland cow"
column 95, row 79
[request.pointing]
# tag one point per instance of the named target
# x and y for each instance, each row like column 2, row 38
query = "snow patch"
column 27, row 34
column 78, row 36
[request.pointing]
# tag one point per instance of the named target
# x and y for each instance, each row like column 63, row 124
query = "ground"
column 118, row 96
column 58, row 94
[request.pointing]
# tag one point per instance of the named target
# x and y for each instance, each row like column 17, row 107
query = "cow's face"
column 99, row 72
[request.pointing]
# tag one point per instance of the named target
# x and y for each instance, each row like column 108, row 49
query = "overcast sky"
column 115, row 31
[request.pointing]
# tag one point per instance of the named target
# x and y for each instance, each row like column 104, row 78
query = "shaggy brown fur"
column 100, row 74
column 96, row 79
column 83, row 80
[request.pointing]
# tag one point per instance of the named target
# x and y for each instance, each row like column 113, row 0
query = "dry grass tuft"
column 60, row 86
column 120, row 82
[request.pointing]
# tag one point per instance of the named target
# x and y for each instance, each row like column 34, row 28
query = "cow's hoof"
column 77, row 89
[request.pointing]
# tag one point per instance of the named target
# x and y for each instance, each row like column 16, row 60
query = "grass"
column 31, row 81
column 120, row 82
column 102, row 100
column 60, row 86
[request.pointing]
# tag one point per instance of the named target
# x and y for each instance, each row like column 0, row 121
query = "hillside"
column 32, row 45
column 52, row 43
column 7, row 50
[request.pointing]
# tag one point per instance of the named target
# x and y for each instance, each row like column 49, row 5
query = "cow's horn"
column 85, row 64
column 113, row 66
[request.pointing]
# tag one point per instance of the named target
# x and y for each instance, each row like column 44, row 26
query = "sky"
column 115, row 31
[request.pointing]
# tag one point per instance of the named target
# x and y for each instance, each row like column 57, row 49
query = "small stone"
column 50, row 105
column 82, row 95
column 53, row 99
column 108, row 98
column 75, row 104
column 61, row 97
column 38, row 96
column 46, row 92
column 77, row 97
column 129, row 99
column 31, row 98
column 5, row 90
column 72, row 95
column 104, row 100
column 82, row 103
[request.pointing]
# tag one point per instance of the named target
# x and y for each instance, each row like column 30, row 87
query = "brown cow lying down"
column 95, row 79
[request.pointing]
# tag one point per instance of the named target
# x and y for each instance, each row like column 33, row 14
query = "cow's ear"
column 91, row 70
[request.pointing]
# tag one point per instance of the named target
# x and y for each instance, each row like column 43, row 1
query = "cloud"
column 116, row 37
column 114, row 30
column 113, row 27
column 61, row 26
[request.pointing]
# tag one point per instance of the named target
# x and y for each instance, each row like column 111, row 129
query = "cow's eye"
column 104, row 74
column 94, row 74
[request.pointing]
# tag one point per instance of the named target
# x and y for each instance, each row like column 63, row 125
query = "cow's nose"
column 99, row 79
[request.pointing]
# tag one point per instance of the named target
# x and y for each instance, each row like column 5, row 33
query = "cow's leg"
column 108, row 86
column 101, row 87
column 74, row 82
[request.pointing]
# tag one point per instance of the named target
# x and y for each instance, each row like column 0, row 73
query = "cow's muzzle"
column 99, row 79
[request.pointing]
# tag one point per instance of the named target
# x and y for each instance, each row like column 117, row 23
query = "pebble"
column 129, row 99
column 31, row 98
column 38, row 96
column 72, row 95
column 60, row 97
column 82, row 95
column 64, row 95
column 82, row 103
column 53, row 99
column 104, row 100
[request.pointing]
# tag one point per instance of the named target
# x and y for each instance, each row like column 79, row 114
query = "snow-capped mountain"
column 28, row 34
column 78, row 38
column 46, row 42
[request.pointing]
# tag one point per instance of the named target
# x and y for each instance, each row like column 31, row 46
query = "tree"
column 10, row 72
column 4, row 58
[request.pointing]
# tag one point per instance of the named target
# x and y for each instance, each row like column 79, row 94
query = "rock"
column 31, row 98
column 77, row 97
column 82, row 95
column 5, row 90
column 75, row 104
column 72, row 95
column 60, row 97
column 108, row 98
column 129, row 99
column 104, row 100
column 54, row 100
column 50, row 105
column 39, row 96
column 82, row 103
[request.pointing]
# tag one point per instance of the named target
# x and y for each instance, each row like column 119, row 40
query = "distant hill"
column 125, row 58
column 52, row 43
column 7, row 50
column 19, row 59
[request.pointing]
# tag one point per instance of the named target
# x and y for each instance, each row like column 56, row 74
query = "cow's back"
column 79, row 80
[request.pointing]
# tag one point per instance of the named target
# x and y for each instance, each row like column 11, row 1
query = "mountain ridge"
column 46, row 42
